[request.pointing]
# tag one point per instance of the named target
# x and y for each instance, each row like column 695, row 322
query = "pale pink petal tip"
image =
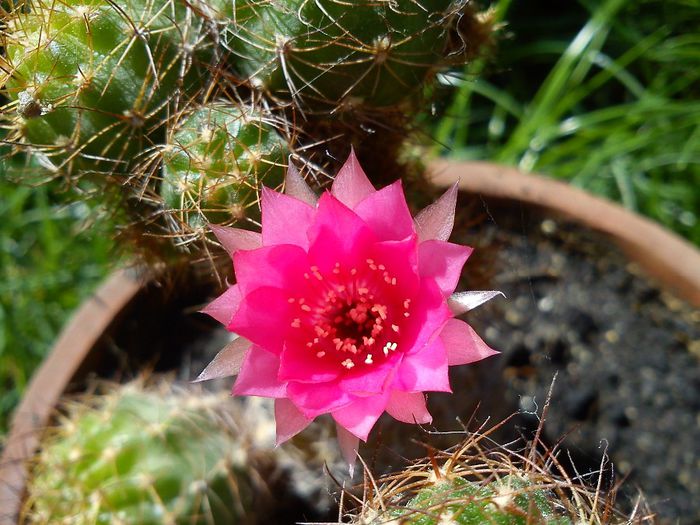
column 225, row 306
column 258, row 375
column 408, row 407
column 351, row 185
column 463, row 344
column 462, row 302
column 234, row 239
column 349, row 447
column 227, row 362
column 437, row 220
column 290, row 421
column 295, row 186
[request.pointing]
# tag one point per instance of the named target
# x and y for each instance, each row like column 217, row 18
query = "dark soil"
column 626, row 358
column 626, row 355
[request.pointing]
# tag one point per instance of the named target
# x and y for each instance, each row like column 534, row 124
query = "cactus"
column 218, row 157
column 92, row 81
column 139, row 456
column 478, row 482
column 123, row 91
column 507, row 501
column 331, row 54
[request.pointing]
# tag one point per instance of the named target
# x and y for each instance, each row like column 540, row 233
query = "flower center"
column 351, row 316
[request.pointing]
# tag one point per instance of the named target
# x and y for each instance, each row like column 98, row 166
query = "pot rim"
column 672, row 261
column 665, row 256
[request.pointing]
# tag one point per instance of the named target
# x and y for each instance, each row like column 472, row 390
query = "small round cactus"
column 218, row 157
column 143, row 456
column 329, row 54
column 92, row 81
column 479, row 482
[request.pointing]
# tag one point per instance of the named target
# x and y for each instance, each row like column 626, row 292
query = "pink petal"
column 462, row 343
column 386, row 212
column 227, row 362
column 437, row 220
column 316, row 399
column 289, row 420
column 349, row 447
column 299, row 363
column 359, row 417
column 285, row 219
column 401, row 261
column 442, row 261
column 264, row 317
column 428, row 315
column 234, row 239
column 370, row 380
column 338, row 235
column 225, row 306
column 351, row 185
column 424, row 371
column 295, row 186
column 408, row 407
column 280, row 266
column 258, row 375
column 462, row 302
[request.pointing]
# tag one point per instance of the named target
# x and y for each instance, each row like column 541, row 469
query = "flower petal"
column 225, row 306
column 462, row 302
column 427, row 317
column 408, row 407
column 289, row 420
column 338, row 234
column 285, row 219
column 351, row 185
column 462, row 343
column 437, row 220
column 264, row 317
column 234, row 239
column 371, row 380
column 280, row 266
column 443, row 262
column 349, row 447
column 424, row 371
column 227, row 362
column 316, row 399
column 359, row 417
column 258, row 375
column 295, row 186
column 386, row 212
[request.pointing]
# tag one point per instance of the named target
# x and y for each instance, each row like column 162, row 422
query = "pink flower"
column 344, row 305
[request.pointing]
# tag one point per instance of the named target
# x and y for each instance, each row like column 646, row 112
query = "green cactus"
column 92, row 81
column 331, row 54
column 479, row 482
column 217, row 159
column 511, row 500
column 139, row 456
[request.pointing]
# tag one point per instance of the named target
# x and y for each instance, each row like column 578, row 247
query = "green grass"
column 605, row 94
column 48, row 264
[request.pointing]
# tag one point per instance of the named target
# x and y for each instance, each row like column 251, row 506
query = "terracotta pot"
column 85, row 343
